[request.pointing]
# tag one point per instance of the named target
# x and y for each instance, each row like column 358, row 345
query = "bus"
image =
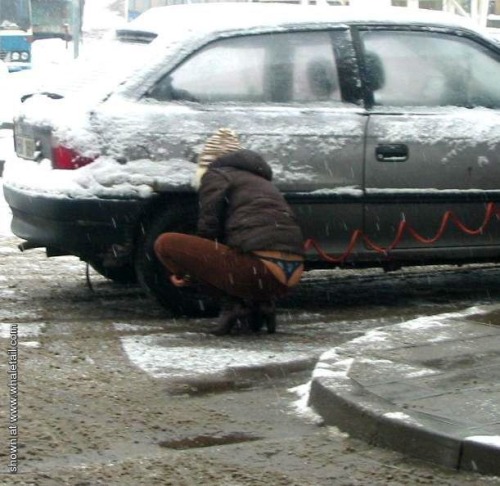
column 16, row 34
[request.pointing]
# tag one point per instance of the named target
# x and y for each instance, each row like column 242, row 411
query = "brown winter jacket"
column 240, row 206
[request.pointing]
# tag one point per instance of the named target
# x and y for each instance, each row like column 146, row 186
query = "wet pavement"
column 429, row 388
column 115, row 391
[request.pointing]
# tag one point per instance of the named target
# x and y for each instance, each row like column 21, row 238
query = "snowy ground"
column 115, row 392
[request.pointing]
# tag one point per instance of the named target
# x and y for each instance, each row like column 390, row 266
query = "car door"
column 289, row 97
column 432, row 169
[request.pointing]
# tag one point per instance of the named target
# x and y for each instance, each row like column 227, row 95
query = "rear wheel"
column 153, row 276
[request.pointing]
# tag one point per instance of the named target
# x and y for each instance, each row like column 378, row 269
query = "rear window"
column 96, row 72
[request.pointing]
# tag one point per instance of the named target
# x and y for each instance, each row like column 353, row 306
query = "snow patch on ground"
column 124, row 327
column 165, row 356
column 301, row 407
column 23, row 330
column 21, row 334
column 402, row 417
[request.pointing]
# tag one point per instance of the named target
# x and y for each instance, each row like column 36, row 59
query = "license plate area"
column 25, row 147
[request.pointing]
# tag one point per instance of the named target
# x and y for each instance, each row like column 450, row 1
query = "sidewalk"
column 427, row 390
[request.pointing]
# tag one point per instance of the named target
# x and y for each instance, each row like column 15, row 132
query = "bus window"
column 15, row 15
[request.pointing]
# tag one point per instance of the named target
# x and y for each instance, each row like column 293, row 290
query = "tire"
column 124, row 274
column 154, row 278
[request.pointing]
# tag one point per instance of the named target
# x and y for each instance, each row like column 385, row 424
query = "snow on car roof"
column 210, row 17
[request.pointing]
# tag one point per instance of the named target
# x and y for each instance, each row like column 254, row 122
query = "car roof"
column 234, row 16
column 169, row 33
column 182, row 29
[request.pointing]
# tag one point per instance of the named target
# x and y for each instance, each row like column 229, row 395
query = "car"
column 382, row 129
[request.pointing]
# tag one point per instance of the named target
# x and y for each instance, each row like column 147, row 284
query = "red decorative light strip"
column 403, row 227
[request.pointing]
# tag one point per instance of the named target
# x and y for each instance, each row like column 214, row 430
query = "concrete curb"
column 238, row 377
column 370, row 419
column 383, row 389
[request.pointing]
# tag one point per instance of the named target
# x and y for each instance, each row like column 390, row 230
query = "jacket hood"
column 247, row 160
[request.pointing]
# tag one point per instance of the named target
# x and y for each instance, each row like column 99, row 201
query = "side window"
column 430, row 69
column 270, row 68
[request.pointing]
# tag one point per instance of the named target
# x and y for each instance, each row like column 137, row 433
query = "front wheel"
column 154, row 277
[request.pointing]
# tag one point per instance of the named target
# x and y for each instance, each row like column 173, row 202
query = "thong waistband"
column 289, row 267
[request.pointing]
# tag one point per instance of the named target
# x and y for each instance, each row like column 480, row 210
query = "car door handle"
column 392, row 152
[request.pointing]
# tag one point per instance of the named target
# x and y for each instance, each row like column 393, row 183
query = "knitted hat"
column 222, row 142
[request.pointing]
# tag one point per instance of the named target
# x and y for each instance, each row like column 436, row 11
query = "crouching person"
column 249, row 248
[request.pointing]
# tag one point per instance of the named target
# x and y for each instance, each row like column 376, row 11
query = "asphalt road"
column 112, row 390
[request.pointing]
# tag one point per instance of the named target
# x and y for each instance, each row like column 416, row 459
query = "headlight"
column 15, row 56
column 25, row 56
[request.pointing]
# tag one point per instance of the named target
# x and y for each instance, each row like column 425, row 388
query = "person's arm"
column 212, row 199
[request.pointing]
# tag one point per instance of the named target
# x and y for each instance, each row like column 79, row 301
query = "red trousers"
column 218, row 266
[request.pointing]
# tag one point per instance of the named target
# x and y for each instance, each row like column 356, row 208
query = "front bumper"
column 87, row 228
column 15, row 67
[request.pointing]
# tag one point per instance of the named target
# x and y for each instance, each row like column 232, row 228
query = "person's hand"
column 179, row 281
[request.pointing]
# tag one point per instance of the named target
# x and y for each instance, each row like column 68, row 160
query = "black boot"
column 233, row 313
column 263, row 314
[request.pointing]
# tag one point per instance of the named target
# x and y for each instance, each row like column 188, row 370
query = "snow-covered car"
column 382, row 129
